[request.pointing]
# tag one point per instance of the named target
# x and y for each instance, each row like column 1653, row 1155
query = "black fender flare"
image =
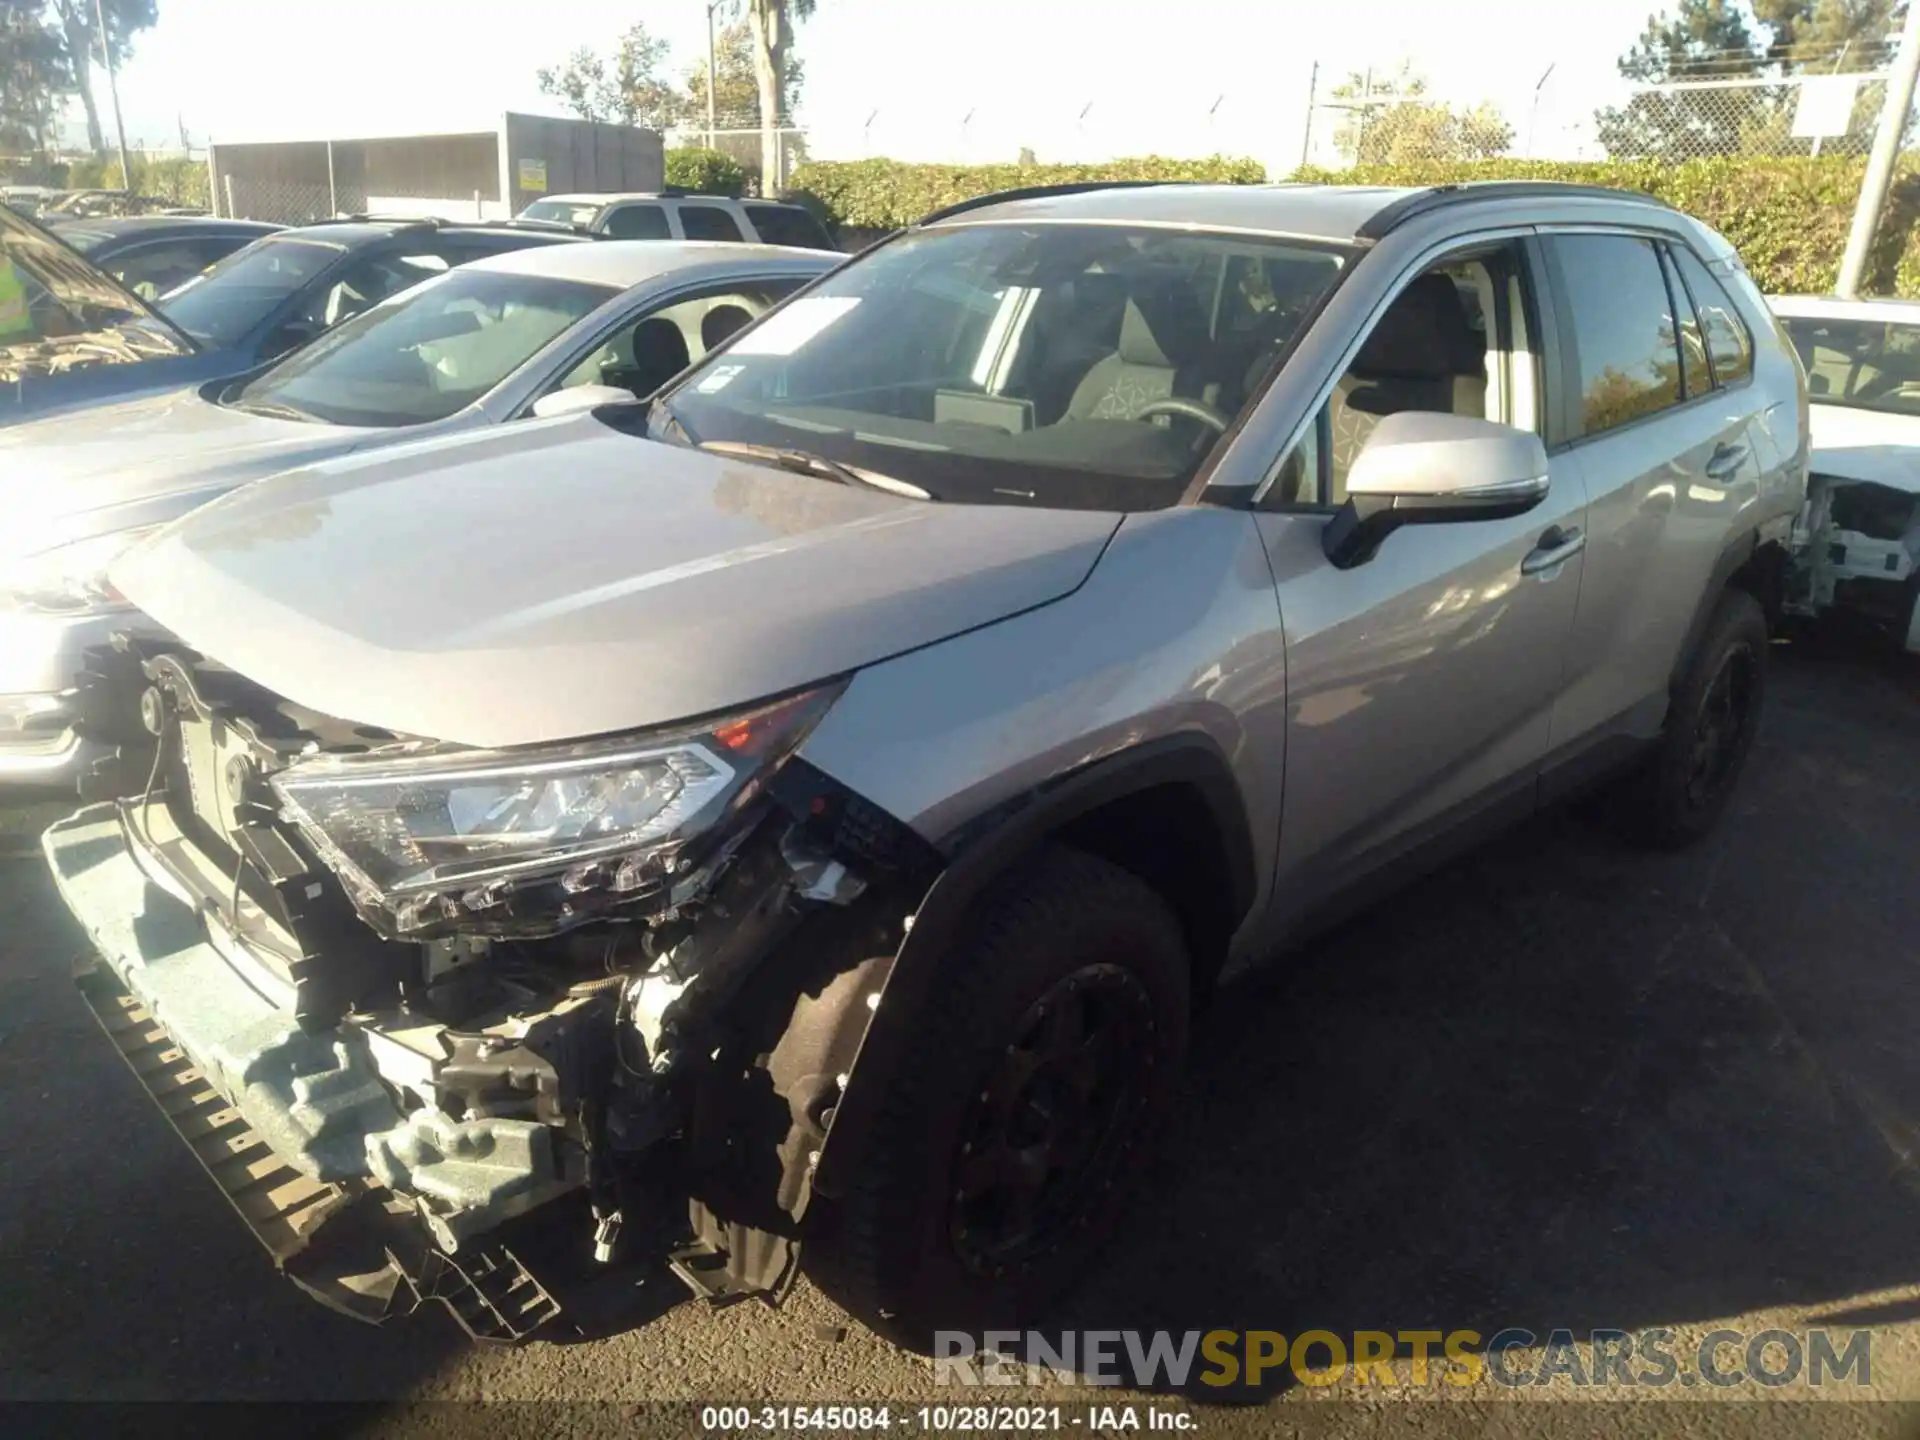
column 1739, row 550
column 984, row 849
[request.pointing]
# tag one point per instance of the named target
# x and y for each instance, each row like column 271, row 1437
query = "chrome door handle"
column 1725, row 460
column 1555, row 546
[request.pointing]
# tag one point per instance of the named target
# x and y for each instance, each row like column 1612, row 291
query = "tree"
column 77, row 27
column 627, row 91
column 34, row 77
column 736, row 99
column 772, row 23
column 1389, row 121
column 1711, row 40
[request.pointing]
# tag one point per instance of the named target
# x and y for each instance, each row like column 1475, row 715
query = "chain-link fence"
column 739, row 137
column 1828, row 114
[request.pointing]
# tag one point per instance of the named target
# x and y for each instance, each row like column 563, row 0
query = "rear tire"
column 1679, row 795
column 1042, row 1062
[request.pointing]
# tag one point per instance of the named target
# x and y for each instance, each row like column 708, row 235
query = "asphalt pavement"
column 1560, row 1084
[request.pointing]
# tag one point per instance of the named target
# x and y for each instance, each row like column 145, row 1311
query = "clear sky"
column 1073, row 79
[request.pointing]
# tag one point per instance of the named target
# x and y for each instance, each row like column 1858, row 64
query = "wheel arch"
column 1124, row 808
column 1753, row 561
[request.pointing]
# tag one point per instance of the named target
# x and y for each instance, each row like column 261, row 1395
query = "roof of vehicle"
column 629, row 262
column 92, row 231
column 624, row 195
column 359, row 229
column 1322, row 212
column 1832, row 307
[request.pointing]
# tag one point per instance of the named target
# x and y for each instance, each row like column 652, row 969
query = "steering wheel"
column 1191, row 409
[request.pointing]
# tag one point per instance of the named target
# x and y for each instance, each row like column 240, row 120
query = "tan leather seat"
column 1162, row 330
column 1423, row 355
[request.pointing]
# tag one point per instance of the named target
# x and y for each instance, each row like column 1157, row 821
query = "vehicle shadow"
column 1565, row 1084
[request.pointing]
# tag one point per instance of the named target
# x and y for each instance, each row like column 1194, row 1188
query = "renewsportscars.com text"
column 1511, row 1358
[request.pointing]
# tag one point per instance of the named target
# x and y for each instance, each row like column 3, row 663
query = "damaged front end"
column 438, row 990
column 1857, row 553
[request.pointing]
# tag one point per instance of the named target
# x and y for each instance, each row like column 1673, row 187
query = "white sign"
column 533, row 175
column 1826, row 106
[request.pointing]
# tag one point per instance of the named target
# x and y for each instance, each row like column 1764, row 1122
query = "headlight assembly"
column 424, row 839
column 71, row 579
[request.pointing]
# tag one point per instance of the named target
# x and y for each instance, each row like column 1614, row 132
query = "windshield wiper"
column 805, row 462
column 272, row 411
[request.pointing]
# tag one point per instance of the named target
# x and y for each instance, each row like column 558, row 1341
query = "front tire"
column 1042, row 1062
column 1710, row 730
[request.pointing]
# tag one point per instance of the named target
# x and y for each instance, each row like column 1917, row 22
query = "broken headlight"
column 425, row 838
column 72, row 579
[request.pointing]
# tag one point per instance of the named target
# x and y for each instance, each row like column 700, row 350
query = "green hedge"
column 705, row 172
column 886, row 194
column 1787, row 217
column 182, row 181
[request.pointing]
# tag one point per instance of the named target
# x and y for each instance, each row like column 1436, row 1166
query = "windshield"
column 429, row 352
column 1859, row 364
column 1072, row 366
column 221, row 306
column 562, row 212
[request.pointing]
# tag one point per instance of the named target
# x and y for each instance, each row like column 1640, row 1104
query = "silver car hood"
column 557, row 579
column 110, row 467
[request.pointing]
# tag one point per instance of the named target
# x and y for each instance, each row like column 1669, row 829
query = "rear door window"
column 638, row 222
column 707, row 222
column 1624, row 339
column 788, row 225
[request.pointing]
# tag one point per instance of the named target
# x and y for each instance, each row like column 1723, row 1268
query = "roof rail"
column 1423, row 202
column 1040, row 192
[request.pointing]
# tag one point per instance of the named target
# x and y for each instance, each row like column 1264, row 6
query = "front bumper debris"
column 300, row 1130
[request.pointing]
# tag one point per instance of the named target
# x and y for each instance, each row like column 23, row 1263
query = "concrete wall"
column 543, row 156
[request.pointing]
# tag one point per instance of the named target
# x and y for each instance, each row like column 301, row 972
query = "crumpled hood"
column 1865, row 445
column 556, row 579
column 110, row 467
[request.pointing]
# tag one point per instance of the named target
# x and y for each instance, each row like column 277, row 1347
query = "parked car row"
column 760, row 757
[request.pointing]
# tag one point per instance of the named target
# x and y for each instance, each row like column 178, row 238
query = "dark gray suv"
column 808, row 809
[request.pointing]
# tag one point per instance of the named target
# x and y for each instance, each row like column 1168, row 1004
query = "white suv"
column 670, row 216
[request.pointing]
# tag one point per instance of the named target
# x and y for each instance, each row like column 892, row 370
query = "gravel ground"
column 1559, row 1084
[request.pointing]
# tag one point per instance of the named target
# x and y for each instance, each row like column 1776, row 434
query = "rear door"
column 1668, row 460
column 1420, row 684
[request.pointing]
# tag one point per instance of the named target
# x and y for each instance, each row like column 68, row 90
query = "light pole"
column 712, row 78
column 1886, row 149
column 1533, row 112
column 113, row 89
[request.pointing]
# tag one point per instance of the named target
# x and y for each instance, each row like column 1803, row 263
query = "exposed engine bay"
column 1857, row 551
column 122, row 345
column 447, row 989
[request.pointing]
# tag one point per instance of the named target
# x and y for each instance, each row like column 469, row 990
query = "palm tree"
column 772, row 22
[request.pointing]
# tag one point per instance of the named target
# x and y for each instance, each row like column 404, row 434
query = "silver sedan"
column 529, row 334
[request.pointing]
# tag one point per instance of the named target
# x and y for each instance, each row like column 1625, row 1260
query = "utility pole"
column 1306, row 135
column 712, row 78
column 1880, row 161
column 113, row 89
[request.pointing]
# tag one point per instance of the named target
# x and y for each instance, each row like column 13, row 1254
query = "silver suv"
column 812, row 806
